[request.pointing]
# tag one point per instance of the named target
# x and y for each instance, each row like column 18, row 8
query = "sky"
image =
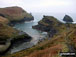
column 54, row 6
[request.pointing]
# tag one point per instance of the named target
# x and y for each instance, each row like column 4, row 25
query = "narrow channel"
column 35, row 34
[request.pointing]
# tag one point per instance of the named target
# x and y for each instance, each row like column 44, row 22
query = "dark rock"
column 2, row 15
column 67, row 19
column 10, row 36
column 49, row 24
column 52, row 32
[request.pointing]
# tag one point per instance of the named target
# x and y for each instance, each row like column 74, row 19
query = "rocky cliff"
column 63, row 41
column 10, row 36
column 49, row 24
column 15, row 14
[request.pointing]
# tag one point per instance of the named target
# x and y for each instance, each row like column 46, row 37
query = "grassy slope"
column 14, row 13
column 47, row 48
column 7, row 31
column 51, row 48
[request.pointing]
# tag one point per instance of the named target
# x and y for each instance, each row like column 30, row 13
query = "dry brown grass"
column 48, row 52
column 14, row 13
column 72, row 38
column 4, row 20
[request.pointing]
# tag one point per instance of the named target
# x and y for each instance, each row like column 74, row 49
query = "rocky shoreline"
column 21, row 38
column 13, row 15
column 62, row 35
column 25, row 19
column 56, row 42
column 49, row 24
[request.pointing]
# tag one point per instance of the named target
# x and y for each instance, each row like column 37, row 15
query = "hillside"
column 10, row 36
column 50, row 24
column 15, row 13
column 7, row 31
column 62, row 39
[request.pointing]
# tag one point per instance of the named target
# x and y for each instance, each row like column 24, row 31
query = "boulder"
column 67, row 19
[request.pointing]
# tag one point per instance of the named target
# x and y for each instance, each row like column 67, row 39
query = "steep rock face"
column 7, row 32
column 49, row 24
column 9, row 35
column 15, row 14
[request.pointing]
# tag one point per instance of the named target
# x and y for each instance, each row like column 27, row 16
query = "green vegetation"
column 58, row 43
column 7, row 32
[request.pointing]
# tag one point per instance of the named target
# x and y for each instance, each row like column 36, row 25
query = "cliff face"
column 15, row 14
column 49, row 24
column 7, row 32
column 10, row 36
column 64, row 41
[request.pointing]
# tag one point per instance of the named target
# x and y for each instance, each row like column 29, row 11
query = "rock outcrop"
column 64, row 41
column 67, row 19
column 9, row 35
column 15, row 14
column 49, row 24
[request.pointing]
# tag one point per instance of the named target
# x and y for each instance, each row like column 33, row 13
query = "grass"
column 48, row 47
column 14, row 13
column 52, row 47
column 7, row 31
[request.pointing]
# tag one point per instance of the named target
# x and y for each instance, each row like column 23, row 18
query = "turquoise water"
column 35, row 34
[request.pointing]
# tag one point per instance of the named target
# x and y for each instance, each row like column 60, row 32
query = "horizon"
column 42, row 6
